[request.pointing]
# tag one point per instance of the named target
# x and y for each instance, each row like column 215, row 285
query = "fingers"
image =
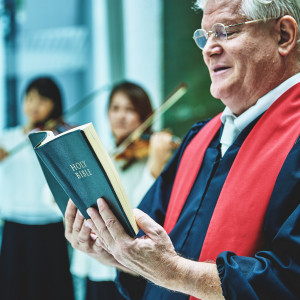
column 78, row 222
column 70, row 215
column 111, row 222
column 160, row 151
column 96, row 235
column 82, row 238
column 84, row 235
column 161, row 140
column 76, row 231
column 104, row 236
column 149, row 226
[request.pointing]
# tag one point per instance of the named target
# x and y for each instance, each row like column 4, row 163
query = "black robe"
column 273, row 273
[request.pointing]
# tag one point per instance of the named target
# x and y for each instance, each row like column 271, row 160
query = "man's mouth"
column 219, row 69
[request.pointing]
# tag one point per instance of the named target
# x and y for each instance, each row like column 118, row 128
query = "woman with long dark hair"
column 34, row 261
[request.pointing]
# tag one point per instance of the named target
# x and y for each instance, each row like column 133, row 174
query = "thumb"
column 148, row 225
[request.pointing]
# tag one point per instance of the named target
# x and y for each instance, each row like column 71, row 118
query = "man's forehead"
column 219, row 10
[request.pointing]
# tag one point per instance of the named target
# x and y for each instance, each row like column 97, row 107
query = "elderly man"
column 223, row 219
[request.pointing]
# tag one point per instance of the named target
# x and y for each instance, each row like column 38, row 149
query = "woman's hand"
column 160, row 151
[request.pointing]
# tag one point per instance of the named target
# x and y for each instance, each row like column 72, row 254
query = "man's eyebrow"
column 226, row 22
column 231, row 21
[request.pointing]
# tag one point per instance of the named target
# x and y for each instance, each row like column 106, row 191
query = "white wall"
column 2, row 74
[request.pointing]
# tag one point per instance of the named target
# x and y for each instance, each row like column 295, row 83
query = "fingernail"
column 99, row 201
column 89, row 211
column 79, row 213
column 88, row 223
column 93, row 236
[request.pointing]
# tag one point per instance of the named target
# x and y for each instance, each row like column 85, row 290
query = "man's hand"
column 80, row 233
column 153, row 255
column 147, row 256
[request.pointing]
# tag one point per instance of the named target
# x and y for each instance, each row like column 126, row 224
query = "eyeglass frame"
column 207, row 34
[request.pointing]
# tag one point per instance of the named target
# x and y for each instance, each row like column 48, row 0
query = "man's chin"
column 222, row 91
column 217, row 91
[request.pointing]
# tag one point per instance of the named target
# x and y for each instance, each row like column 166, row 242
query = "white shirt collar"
column 242, row 121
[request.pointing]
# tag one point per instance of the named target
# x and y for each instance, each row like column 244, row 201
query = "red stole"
column 236, row 223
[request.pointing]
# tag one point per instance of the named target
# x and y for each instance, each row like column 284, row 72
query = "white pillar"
column 2, row 72
column 101, row 68
column 143, row 45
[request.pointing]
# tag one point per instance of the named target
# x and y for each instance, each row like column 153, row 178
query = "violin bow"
column 178, row 92
column 69, row 112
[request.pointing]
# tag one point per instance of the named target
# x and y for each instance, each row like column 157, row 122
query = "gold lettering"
column 83, row 173
column 79, row 166
column 73, row 167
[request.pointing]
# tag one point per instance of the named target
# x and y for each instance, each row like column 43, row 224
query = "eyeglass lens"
column 201, row 36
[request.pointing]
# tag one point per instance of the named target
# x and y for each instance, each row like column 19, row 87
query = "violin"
column 136, row 145
column 59, row 125
column 56, row 125
column 139, row 148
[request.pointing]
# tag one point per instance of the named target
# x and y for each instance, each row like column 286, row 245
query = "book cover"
column 77, row 166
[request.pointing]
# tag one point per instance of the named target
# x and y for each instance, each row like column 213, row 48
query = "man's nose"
column 212, row 47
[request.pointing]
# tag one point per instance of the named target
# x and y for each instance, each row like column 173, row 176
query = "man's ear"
column 288, row 30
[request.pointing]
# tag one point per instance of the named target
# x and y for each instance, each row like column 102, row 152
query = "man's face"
column 245, row 66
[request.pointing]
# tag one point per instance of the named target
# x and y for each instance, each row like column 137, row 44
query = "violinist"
column 34, row 262
column 138, row 166
column 128, row 107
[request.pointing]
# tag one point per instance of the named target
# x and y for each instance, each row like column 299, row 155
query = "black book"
column 77, row 166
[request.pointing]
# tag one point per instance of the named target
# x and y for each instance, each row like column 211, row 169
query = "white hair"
column 265, row 9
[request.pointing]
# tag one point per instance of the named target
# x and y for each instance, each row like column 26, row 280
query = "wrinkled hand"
column 152, row 256
column 3, row 154
column 160, row 151
column 81, row 235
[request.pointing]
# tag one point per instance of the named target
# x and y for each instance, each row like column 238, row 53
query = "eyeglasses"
column 219, row 31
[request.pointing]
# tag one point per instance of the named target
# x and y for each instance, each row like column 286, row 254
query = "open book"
column 77, row 166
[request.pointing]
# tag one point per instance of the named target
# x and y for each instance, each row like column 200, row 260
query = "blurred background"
column 87, row 46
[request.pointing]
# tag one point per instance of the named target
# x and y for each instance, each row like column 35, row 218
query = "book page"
column 51, row 136
column 111, row 172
